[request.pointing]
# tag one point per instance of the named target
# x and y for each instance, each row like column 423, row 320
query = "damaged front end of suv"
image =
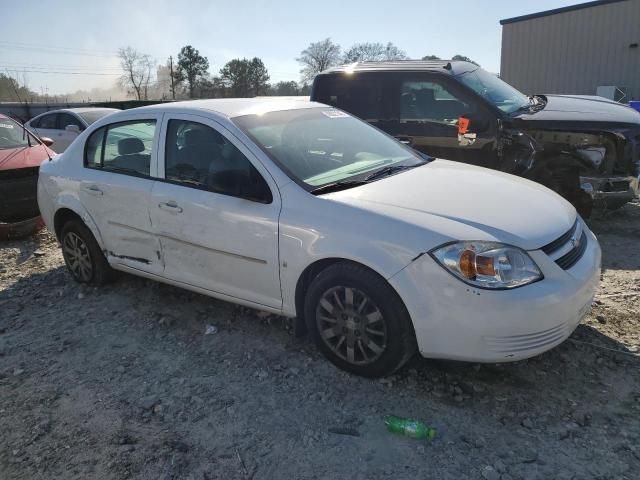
column 585, row 148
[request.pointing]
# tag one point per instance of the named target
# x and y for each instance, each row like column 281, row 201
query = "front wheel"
column 358, row 321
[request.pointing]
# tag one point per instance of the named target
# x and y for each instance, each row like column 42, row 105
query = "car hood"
column 23, row 157
column 583, row 108
column 464, row 202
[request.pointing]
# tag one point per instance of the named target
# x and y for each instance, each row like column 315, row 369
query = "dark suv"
column 585, row 148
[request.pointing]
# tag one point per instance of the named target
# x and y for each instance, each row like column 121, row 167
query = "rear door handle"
column 93, row 190
column 170, row 206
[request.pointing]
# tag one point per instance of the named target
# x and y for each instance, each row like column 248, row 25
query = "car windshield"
column 321, row 146
column 496, row 91
column 91, row 116
column 12, row 135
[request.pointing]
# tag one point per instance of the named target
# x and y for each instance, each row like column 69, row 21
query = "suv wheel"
column 358, row 321
column 83, row 256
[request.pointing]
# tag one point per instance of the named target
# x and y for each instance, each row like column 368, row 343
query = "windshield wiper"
column 337, row 186
column 391, row 169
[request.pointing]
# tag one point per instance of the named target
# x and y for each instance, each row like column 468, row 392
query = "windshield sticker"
column 6, row 125
column 335, row 114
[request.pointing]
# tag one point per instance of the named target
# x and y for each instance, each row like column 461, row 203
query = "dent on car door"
column 429, row 120
column 215, row 214
column 120, row 163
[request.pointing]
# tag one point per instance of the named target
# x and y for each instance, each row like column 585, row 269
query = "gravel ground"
column 122, row 382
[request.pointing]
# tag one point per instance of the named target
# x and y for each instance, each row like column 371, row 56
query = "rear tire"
column 358, row 321
column 82, row 255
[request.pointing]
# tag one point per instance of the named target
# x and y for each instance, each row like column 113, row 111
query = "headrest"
column 199, row 136
column 130, row 145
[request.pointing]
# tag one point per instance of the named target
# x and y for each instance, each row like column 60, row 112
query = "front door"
column 429, row 111
column 216, row 212
column 120, row 163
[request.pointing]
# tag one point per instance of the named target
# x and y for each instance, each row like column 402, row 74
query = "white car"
column 300, row 209
column 63, row 126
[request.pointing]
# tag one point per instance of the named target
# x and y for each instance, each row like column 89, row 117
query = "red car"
column 21, row 154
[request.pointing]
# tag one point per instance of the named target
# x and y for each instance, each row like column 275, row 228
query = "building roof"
column 555, row 11
column 446, row 66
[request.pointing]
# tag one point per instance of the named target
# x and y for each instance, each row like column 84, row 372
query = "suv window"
column 47, row 121
column 65, row 119
column 430, row 102
column 361, row 94
column 200, row 157
column 124, row 147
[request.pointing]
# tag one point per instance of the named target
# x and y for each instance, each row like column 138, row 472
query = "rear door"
column 216, row 212
column 120, row 168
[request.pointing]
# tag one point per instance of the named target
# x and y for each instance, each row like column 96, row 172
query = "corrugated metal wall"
column 574, row 52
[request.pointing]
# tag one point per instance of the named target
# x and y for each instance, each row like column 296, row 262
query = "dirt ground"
column 122, row 382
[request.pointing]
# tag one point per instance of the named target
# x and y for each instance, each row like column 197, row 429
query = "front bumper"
column 604, row 188
column 453, row 320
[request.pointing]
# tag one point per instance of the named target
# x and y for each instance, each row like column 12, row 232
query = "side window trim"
column 228, row 135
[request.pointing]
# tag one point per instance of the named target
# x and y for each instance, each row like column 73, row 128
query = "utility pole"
column 173, row 89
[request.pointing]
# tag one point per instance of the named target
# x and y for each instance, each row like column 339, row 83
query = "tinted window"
column 122, row 147
column 199, row 156
column 48, row 121
column 361, row 94
column 91, row 116
column 430, row 102
column 65, row 119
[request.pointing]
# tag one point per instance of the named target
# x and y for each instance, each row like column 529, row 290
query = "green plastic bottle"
column 410, row 428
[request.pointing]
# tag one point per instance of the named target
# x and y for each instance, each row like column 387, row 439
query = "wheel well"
column 307, row 276
column 61, row 217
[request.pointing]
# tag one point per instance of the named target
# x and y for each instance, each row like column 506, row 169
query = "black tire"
column 99, row 272
column 399, row 340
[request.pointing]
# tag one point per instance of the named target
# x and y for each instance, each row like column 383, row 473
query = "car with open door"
column 587, row 149
column 300, row 209
column 64, row 125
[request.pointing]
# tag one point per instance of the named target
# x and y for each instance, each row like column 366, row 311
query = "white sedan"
column 63, row 126
column 300, row 209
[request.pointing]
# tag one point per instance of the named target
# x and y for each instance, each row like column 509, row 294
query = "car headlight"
column 488, row 264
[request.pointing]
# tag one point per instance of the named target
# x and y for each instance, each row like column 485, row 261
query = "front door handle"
column 170, row 206
column 93, row 190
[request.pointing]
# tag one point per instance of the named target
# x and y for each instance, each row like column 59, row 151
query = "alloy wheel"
column 77, row 257
column 351, row 325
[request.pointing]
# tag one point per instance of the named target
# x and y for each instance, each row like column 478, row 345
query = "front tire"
column 358, row 321
column 82, row 255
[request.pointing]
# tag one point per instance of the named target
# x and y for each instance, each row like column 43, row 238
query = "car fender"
column 72, row 202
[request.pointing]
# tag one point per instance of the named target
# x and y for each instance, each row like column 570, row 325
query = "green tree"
column 192, row 68
column 462, row 58
column 245, row 78
column 318, row 56
column 12, row 91
column 431, row 57
column 285, row 89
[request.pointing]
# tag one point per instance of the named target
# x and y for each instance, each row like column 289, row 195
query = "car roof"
column 447, row 67
column 235, row 107
column 80, row 110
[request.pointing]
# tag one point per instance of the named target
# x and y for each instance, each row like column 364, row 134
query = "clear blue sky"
column 83, row 36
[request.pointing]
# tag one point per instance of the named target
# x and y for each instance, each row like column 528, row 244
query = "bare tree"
column 373, row 52
column 137, row 68
column 318, row 56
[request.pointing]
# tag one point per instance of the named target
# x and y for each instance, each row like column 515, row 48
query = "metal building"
column 575, row 50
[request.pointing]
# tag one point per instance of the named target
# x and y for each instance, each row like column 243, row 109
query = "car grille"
column 520, row 343
column 570, row 258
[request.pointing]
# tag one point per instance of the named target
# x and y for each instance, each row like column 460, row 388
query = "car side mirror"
column 47, row 141
column 73, row 129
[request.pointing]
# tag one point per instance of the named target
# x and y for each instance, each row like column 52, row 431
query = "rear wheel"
column 83, row 256
column 358, row 321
